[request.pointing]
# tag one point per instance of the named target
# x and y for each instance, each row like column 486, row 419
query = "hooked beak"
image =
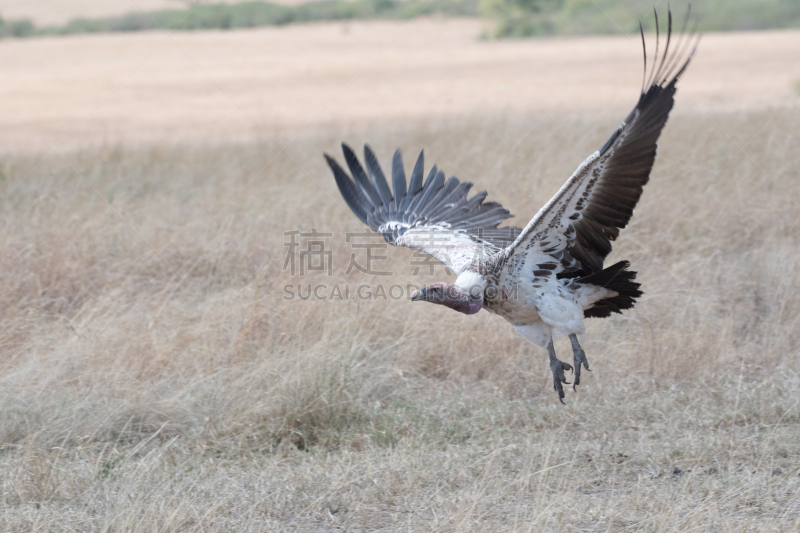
column 417, row 295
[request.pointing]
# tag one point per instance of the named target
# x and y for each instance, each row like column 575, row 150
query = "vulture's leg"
column 558, row 368
column 580, row 357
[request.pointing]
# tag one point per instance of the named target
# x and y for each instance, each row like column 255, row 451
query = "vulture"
column 549, row 276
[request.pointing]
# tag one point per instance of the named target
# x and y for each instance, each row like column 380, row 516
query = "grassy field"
column 153, row 377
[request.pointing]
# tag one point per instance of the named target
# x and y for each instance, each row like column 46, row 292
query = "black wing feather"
column 355, row 199
column 429, row 191
column 415, row 185
column 436, row 201
column 360, row 176
column 398, row 180
column 412, row 207
column 378, row 179
column 629, row 157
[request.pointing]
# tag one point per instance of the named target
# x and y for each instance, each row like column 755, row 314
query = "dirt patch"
column 151, row 87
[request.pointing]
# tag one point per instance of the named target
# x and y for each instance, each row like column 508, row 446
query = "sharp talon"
column 580, row 359
column 557, row 368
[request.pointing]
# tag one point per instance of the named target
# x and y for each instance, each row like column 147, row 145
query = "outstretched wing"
column 572, row 234
column 436, row 217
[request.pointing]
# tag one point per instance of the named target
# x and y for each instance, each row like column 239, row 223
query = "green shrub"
column 16, row 28
column 255, row 14
column 524, row 18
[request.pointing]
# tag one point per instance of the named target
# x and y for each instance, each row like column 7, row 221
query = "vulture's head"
column 450, row 296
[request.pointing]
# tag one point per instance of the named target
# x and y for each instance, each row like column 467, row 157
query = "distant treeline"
column 247, row 15
column 513, row 18
column 525, row 18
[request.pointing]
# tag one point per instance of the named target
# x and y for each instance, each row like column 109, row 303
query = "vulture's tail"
column 618, row 279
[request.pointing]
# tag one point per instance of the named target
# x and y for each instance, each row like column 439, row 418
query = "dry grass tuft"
column 153, row 377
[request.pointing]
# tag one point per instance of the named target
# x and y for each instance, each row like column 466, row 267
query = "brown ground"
column 278, row 81
column 154, row 378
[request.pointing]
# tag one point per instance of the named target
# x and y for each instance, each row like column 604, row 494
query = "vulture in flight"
column 547, row 277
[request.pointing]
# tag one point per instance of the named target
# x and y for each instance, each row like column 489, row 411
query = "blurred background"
column 155, row 374
column 131, row 71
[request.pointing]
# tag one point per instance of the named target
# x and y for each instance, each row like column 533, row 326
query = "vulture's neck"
column 471, row 283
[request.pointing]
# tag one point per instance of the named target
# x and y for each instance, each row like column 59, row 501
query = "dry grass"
column 153, row 378
column 146, row 88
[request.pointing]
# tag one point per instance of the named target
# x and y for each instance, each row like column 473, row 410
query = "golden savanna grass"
column 154, row 378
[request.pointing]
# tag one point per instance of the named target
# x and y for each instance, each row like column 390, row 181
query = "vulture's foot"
column 580, row 358
column 558, row 368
